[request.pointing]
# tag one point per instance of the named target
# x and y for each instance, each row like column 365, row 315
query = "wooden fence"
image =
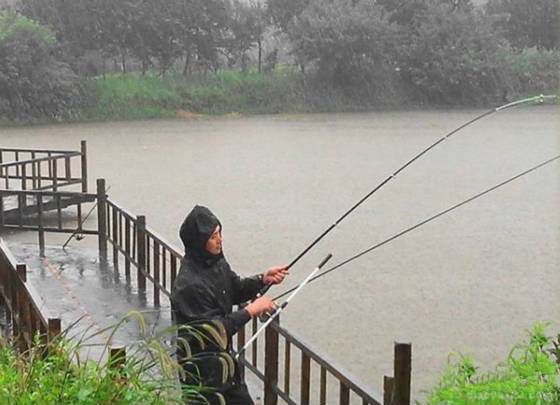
column 37, row 169
column 158, row 262
column 21, row 302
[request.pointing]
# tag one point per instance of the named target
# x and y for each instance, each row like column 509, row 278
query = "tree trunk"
column 187, row 66
column 259, row 42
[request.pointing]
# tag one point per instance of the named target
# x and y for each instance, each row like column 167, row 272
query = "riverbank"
column 133, row 96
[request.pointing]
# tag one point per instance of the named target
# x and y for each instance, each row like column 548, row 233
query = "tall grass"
column 529, row 376
column 58, row 373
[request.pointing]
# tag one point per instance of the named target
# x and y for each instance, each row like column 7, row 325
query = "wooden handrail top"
column 43, row 159
column 7, row 253
column 47, row 193
column 36, row 150
column 338, row 372
column 123, row 210
column 162, row 242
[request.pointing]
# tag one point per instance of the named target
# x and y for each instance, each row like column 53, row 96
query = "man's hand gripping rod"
column 284, row 305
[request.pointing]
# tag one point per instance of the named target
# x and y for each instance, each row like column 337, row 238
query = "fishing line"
column 418, row 225
column 536, row 99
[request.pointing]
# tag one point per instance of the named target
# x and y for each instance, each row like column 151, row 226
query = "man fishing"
column 206, row 289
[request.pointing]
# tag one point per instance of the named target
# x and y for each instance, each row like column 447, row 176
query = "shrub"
column 530, row 375
column 34, row 81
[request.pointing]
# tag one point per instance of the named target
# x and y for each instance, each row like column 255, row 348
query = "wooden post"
column 21, row 270
column 54, row 328
column 402, row 370
column 305, row 378
column 141, row 243
column 240, row 344
column 117, row 358
column 41, row 230
column 115, row 235
column 271, row 364
column 387, row 390
column 102, row 219
column 83, row 147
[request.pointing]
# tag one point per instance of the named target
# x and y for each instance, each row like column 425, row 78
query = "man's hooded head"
column 195, row 231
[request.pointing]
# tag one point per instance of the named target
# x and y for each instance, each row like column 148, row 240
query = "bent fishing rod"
column 424, row 222
column 536, row 99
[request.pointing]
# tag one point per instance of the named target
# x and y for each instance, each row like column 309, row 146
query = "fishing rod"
column 284, row 304
column 418, row 225
column 536, row 99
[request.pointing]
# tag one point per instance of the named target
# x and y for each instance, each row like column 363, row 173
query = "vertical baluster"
column 83, row 150
column 240, row 344
column 141, row 243
column 67, row 171
column 17, row 166
column 174, row 261
column 323, row 387
column 287, row 367
column 102, row 219
column 58, row 203
column 24, row 177
column 344, row 394
column 41, row 231
column 121, row 244
column 305, row 378
column 164, row 269
column 20, row 198
column 49, row 160
column 127, row 247
column 80, row 221
column 156, row 274
column 55, row 174
column 115, row 235
column 255, row 343
column 271, row 363
column 33, row 172
column 2, row 220
column 39, row 175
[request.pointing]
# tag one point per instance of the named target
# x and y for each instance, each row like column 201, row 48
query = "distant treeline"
column 371, row 52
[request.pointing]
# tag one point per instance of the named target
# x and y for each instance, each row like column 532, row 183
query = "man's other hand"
column 261, row 306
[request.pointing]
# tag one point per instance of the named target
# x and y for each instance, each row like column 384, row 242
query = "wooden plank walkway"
column 74, row 284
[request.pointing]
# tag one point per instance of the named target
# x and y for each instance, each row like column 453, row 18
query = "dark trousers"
column 238, row 395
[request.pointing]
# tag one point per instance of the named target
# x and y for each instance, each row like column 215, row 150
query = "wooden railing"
column 27, row 210
column 36, row 169
column 24, row 315
column 158, row 261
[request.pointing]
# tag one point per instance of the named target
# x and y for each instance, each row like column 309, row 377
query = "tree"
column 528, row 23
column 248, row 24
column 453, row 56
column 34, row 82
column 351, row 42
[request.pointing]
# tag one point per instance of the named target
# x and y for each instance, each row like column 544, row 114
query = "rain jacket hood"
column 195, row 231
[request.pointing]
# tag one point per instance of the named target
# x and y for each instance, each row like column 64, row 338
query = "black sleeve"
column 196, row 303
column 245, row 289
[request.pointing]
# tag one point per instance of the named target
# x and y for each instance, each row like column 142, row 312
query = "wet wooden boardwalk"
column 75, row 286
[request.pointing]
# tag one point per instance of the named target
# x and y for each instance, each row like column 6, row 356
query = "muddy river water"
column 473, row 281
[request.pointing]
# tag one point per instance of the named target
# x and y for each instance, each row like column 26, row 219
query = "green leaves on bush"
column 530, row 375
column 34, row 81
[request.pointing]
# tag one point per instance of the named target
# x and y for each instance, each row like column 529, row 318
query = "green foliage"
column 351, row 42
column 530, row 375
column 60, row 374
column 535, row 71
column 446, row 61
column 528, row 23
column 35, row 82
